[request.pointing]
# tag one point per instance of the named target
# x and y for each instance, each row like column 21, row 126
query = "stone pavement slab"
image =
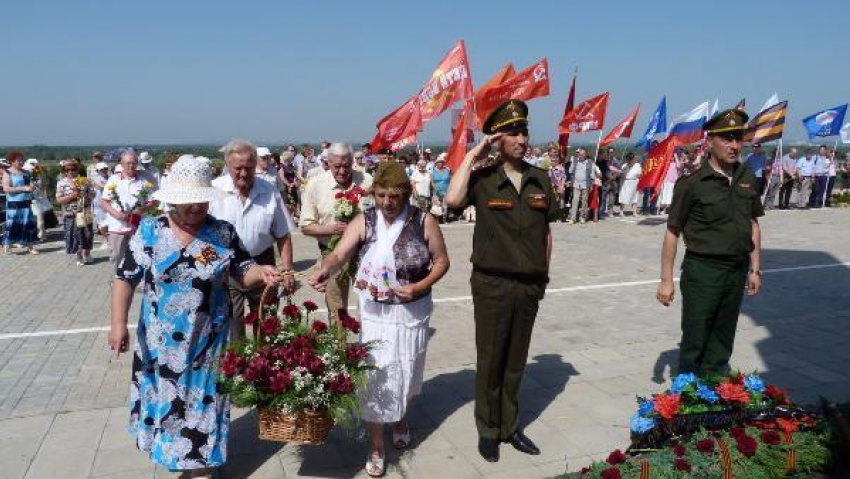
column 600, row 339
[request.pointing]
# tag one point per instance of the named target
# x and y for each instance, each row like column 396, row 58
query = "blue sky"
column 116, row 72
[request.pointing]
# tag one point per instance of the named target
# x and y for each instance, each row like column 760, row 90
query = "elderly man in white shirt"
column 257, row 211
column 121, row 199
column 317, row 211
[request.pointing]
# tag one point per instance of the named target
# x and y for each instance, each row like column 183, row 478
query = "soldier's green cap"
column 510, row 114
column 732, row 120
column 391, row 174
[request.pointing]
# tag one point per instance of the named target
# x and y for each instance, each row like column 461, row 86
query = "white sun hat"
column 101, row 166
column 190, row 181
column 145, row 157
column 31, row 161
column 263, row 151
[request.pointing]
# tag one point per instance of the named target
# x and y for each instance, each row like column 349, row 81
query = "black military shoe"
column 522, row 443
column 489, row 449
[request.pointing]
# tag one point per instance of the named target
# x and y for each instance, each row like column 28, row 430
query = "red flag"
column 500, row 77
column 530, row 83
column 622, row 130
column 656, row 164
column 457, row 150
column 588, row 115
column 564, row 138
column 450, row 82
column 399, row 125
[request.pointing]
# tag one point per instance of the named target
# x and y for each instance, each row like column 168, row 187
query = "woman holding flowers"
column 401, row 254
column 185, row 259
column 20, row 226
column 75, row 194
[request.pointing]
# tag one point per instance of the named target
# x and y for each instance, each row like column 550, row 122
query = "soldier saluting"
column 716, row 207
column 511, row 246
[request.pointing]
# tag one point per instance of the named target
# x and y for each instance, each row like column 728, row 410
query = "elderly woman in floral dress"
column 185, row 259
column 401, row 254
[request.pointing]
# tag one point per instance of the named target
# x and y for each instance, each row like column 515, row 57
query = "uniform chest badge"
column 499, row 204
column 538, row 201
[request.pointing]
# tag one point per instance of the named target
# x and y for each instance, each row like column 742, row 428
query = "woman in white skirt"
column 628, row 191
column 402, row 254
column 673, row 172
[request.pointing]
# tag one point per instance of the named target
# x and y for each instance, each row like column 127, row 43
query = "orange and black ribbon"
column 644, row 469
column 792, row 455
column 725, row 459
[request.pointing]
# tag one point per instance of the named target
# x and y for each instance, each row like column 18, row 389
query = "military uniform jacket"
column 511, row 227
column 716, row 216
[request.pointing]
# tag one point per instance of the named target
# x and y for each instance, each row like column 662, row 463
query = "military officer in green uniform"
column 511, row 246
column 716, row 208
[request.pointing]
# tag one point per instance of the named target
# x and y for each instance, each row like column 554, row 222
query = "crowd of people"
column 203, row 242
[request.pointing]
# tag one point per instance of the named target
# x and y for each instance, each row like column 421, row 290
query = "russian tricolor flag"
column 688, row 127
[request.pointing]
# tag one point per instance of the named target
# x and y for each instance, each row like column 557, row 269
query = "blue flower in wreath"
column 640, row 424
column 646, row 407
column 682, row 381
column 707, row 394
column 754, row 383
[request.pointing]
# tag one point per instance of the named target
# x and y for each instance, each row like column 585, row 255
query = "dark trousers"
column 816, row 200
column 785, row 194
column 761, row 184
column 711, row 301
column 830, row 184
column 244, row 301
column 505, row 310
column 603, row 201
column 648, row 205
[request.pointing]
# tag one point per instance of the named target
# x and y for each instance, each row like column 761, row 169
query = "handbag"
column 84, row 216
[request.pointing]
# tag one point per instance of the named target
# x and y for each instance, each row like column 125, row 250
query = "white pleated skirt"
column 628, row 192
column 667, row 193
column 402, row 330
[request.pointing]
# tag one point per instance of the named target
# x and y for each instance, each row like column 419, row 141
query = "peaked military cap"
column 727, row 121
column 509, row 114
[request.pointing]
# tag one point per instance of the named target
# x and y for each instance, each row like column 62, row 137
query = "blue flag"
column 825, row 123
column 657, row 124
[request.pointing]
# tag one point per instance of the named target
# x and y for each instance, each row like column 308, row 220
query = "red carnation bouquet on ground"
column 346, row 207
column 294, row 363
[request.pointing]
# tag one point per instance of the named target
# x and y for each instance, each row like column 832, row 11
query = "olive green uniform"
column 509, row 277
column 716, row 220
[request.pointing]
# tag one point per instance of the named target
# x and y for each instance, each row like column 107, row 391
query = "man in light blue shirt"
column 757, row 161
column 805, row 170
column 821, row 172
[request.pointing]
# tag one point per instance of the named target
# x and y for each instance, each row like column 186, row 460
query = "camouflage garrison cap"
column 509, row 114
column 727, row 121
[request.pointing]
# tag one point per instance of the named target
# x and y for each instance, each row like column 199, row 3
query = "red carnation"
column 747, row 445
column 348, row 322
column 357, row 191
column 292, row 311
column 787, row 425
column 776, row 394
column 733, row 392
column 319, row 327
column 280, row 382
column 310, row 306
column 231, row 363
column 737, row 432
column 341, row 384
column 705, row 446
column 355, row 353
column 611, row 473
column 679, row 450
column 270, row 326
column 682, row 465
column 771, row 438
column 667, row 405
column 251, row 318
column 616, row 457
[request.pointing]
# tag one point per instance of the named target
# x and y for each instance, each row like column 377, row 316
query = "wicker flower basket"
column 309, row 426
column 304, row 427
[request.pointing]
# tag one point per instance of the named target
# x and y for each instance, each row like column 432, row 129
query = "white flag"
column 715, row 108
column 770, row 102
column 845, row 134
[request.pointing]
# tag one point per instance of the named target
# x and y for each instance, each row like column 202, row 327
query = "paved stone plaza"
column 600, row 338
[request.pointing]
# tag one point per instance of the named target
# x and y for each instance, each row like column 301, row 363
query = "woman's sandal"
column 375, row 465
column 401, row 439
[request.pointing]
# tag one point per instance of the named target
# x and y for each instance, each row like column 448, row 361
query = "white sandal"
column 375, row 463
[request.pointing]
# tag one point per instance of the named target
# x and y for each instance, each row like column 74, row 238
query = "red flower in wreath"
column 787, row 425
column 355, row 353
column 747, row 445
column 776, row 394
column 679, row 450
column 310, row 306
column 616, row 457
column 292, row 311
column 280, row 382
column 348, row 322
column 733, row 392
column 611, row 473
column 771, row 438
column 230, row 363
column 319, row 327
column 667, row 405
column 270, row 326
column 341, row 384
column 705, row 446
column 682, row 465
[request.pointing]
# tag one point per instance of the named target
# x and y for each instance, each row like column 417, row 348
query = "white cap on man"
column 263, row 151
column 31, row 161
column 145, row 157
column 101, row 166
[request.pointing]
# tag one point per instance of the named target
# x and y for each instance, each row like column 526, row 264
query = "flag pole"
column 826, row 186
column 772, row 169
column 598, row 142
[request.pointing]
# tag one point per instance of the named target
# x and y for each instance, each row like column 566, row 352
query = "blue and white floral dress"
column 177, row 415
